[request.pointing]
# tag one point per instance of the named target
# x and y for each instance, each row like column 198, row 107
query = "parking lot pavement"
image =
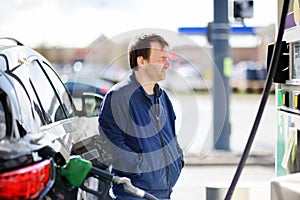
column 195, row 181
column 223, row 158
column 195, row 134
column 217, row 168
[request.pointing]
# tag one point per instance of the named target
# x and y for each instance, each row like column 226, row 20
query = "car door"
column 51, row 106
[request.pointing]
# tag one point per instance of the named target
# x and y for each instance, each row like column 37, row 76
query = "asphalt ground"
column 196, row 182
column 209, row 170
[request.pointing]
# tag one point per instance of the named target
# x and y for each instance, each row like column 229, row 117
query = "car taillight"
column 26, row 183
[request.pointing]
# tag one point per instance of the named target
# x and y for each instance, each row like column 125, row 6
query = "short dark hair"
column 141, row 46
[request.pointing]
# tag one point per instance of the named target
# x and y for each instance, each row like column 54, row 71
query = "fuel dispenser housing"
column 287, row 78
column 286, row 184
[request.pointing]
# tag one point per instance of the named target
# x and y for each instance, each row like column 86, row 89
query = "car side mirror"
column 91, row 104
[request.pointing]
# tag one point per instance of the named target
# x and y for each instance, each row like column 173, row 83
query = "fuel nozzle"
column 78, row 169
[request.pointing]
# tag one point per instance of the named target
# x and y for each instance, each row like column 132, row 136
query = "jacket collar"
column 157, row 89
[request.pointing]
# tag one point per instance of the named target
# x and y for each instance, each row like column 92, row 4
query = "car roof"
column 12, row 56
column 15, row 54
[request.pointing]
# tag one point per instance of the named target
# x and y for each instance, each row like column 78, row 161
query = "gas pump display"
column 296, row 61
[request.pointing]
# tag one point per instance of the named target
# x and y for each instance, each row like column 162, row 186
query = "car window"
column 31, row 110
column 60, row 89
column 44, row 90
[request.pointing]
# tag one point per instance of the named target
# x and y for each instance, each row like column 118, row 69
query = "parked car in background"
column 248, row 76
column 39, row 126
column 91, row 77
column 186, row 78
column 80, row 89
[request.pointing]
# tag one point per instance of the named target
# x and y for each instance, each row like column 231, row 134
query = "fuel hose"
column 271, row 72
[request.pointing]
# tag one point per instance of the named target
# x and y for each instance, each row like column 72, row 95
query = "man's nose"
column 167, row 64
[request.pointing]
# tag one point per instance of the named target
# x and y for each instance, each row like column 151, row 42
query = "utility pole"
column 219, row 31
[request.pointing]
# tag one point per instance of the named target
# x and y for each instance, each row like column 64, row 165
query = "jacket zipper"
column 157, row 112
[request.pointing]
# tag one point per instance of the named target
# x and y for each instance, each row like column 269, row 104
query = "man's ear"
column 140, row 61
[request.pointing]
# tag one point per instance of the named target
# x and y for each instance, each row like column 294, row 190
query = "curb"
column 229, row 158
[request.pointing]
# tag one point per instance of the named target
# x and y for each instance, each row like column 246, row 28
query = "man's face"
column 158, row 62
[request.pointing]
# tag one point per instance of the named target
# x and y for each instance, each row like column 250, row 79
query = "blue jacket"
column 141, row 131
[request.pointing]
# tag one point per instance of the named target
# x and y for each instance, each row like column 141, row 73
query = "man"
column 138, row 119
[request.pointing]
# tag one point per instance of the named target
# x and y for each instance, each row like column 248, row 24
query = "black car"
column 39, row 125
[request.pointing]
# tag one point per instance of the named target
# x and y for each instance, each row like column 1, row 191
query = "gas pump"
column 287, row 78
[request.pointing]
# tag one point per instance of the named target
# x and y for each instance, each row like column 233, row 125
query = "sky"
column 76, row 23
